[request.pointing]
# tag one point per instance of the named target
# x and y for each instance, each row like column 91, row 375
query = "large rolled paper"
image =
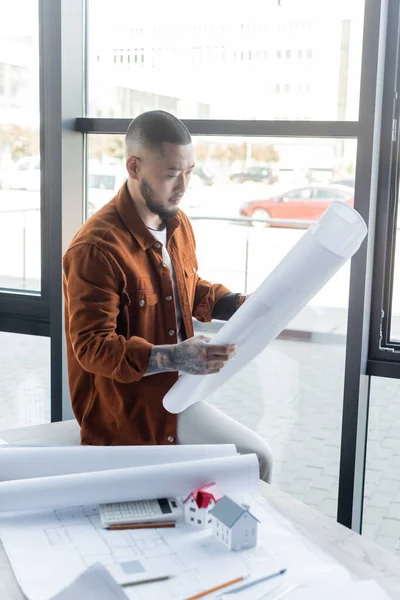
column 316, row 257
column 26, row 462
column 233, row 474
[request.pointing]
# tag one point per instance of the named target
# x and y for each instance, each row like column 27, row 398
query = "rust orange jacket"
column 118, row 304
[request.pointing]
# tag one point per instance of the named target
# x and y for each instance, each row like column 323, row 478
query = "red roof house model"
column 203, row 495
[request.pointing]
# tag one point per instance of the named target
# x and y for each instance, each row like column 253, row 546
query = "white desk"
column 361, row 556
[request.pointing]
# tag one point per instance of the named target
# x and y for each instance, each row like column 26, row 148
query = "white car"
column 24, row 175
column 104, row 182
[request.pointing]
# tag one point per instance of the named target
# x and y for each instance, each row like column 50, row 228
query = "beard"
column 157, row 208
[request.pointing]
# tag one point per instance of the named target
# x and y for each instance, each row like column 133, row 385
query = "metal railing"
column 248, row 221
column 23, row 212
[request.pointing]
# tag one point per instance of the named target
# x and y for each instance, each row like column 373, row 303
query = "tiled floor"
column 291, row 395
column 24, row 380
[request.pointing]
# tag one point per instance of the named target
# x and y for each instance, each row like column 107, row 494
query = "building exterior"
column 275, row 63
column 19, row 87
column 234, row 525
column 265, row 61
column 19, row 67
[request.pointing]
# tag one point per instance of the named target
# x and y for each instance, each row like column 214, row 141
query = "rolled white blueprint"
column 22, row 462
column 232, row 474
column 316, row 257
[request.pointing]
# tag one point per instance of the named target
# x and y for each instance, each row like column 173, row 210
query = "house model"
column 234, row 525
column 198, row 504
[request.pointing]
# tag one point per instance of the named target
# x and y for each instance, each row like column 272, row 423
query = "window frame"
column 365, row 130
column 384, row 353
column 64, row 129
column 28, row 312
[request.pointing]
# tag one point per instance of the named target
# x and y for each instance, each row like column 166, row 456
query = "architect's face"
column 163, row 178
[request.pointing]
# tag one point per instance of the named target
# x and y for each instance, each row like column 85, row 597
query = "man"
column 131, row 288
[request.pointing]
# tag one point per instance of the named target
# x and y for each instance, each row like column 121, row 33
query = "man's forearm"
column 162, row 359
column 177, row 357
column 195, row 356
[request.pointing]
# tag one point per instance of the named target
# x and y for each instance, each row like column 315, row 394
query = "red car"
column 301, row 204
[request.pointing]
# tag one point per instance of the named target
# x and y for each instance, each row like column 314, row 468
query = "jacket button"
column 158, row 245
column 171, row 332
column 164, row 264
column 194, row 269
column 170, row 439
column 142, row 302
column 168, row 298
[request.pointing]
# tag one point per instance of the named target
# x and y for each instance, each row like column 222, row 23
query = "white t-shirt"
column 161, row 236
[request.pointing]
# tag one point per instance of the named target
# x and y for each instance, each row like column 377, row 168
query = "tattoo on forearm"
column 190, row 358
column 160, row 360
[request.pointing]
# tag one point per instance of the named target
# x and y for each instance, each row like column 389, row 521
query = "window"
column 25, row 380
column 299, row 363
column 100, row 181
column 2, row 81
column 192, row 509
column 381, row 495
column 301, row 194
column 326, row 194
column 158, row 37
column 20, row 222
column 387, row 266
column 199, row 521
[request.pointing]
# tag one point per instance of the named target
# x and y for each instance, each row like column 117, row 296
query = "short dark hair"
column 156, row 127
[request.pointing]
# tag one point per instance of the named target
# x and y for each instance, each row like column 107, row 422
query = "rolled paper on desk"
column 20, row 462
column 309, row 265
column 233, row 474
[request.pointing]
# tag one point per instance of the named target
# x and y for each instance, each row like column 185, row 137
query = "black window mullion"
column 221, row 127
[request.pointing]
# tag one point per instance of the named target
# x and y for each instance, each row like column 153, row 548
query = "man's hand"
column 199, row 357
column 195, row 356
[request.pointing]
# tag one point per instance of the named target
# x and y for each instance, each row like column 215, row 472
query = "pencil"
column 150, row 580
column 255, row 581
column 140, row 526
column 215, row 589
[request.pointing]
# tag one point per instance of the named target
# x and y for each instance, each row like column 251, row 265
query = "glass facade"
column 20, row 267
column 289, row 60
column 301, row 60
column 25, row 380
column 381, row 521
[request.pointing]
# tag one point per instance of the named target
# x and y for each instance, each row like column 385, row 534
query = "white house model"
column 198, row 504
column 233, row 525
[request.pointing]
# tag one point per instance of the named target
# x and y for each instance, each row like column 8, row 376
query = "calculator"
column 140, row 511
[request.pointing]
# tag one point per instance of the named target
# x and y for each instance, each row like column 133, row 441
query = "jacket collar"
column 132, row 221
